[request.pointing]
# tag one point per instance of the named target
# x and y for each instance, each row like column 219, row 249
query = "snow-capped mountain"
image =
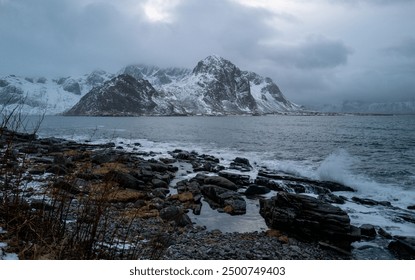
column 158, row 77
column 41, row 95
column 122, row 95
column 215, row 86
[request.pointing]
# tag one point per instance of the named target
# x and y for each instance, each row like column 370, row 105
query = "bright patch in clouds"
column 160, row 10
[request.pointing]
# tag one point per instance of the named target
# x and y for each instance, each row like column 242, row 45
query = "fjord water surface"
column 373, row 154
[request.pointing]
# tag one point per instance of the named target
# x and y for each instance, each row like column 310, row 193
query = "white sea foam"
column 336, row 167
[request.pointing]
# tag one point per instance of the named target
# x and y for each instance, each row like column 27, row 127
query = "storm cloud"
column 317, row 51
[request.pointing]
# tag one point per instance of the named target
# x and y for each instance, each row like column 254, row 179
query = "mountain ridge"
column 215, row 86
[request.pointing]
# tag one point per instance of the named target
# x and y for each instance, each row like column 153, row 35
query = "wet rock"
column 206, row 163
column 411, row 207
column 157, row 183
column 370, row 202
column 241, row 164
column 230, row 201
column 355, row 233
column 160, row 192
column 203, row 166
column 331, row 198
column 186, row 186
column 403, row 248
column 307, row 218
column 384, row 233
column 200, row 178
column 238, row 179
column 171, row 213
column 256, row 190
column 332, row 186
column 296, row 187
column 210, row 158
column 102, row 157
column 183, row 155
column 161, row 167
column 368, row 230
column 183, row 197
column 125, row 180
column 408, row 217
column 176, row 214
column 220, row 182
column 269, row 183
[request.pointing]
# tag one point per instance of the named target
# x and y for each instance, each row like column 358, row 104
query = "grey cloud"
column 316, row 52
column 373, row 2
column 319, row 52
column 64, row 35
column 216, row 26
column 49, row 37
column 406, row 48
column 56, row 36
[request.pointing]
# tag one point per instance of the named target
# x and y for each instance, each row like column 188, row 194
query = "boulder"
column 332, row 198
column 308, row 218
column 125, row 180
column 241, row 164
column 384, row 233
column 230, row 201
column 368, row 230
column 162, row 167
column 311, row 184
column 403, row 247
column 220, row 182
column 269, row 183
column 157, row 183
column 238, row 179
column 370, row 202
column 256, row 190
column 176, row 214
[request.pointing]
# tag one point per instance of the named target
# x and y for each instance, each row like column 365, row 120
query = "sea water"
column 373, row 154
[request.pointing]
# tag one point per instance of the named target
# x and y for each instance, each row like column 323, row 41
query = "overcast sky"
column 317, row 51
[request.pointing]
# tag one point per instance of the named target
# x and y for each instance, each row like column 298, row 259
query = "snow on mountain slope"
column 41, row 95
column 155, row 75
column 214, row 87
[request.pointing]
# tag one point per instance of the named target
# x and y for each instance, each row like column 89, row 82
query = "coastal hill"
column 215, row 86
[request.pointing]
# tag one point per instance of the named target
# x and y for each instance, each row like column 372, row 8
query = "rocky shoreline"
column 130, row 205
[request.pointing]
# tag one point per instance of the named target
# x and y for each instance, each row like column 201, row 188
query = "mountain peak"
column 214, row 58
column 213, row 64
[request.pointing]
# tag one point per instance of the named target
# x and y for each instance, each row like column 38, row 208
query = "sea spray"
column 337, row 167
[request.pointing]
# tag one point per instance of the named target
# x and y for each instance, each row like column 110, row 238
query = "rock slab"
column 308, row 218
